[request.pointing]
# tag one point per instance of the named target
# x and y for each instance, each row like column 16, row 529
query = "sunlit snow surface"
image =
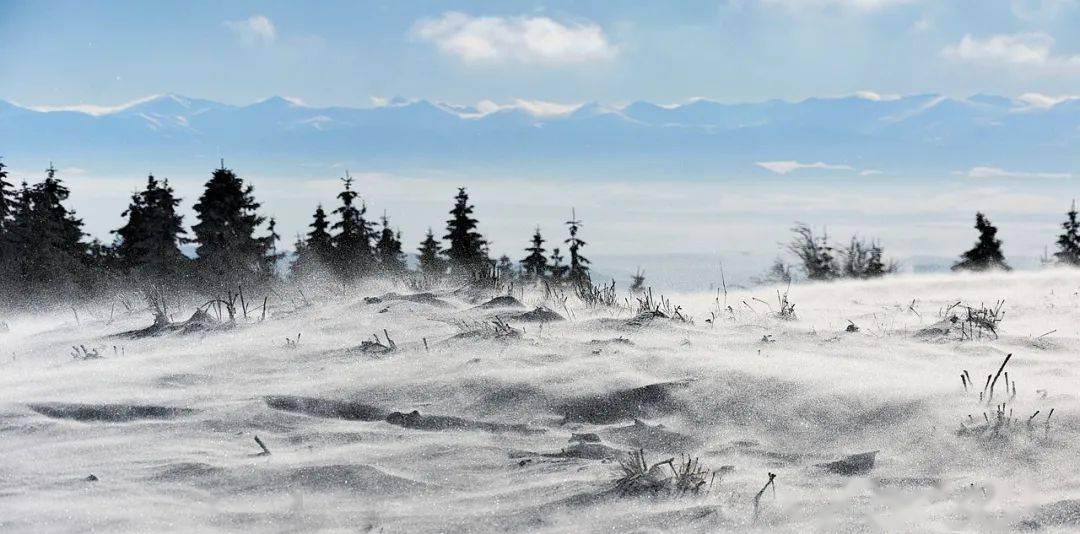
column 167, row 423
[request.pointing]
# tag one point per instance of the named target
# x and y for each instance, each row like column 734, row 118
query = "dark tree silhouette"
column 7, row 201
column 354, row 256
column 579, row 265
column 431, row 261
column 814, row 253
column 388, row 249
column 534, row 266
column 863, row 259
column 46, row 240
column 7, row 213
column 319, row 241
column 986, row 254
column 505, row 268
column 466, row 253
column 1068, row 242
column 637, row 282
column 228, row 251
column 315, row 253
column 148, row 244
column 556, row 270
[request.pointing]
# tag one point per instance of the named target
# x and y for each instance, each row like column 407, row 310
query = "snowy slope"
column 166, row 423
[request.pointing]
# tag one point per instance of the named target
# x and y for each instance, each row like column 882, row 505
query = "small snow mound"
column 504, row 301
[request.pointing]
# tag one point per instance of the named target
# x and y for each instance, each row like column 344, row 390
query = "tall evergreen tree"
column 986, row 254
column 46, row 239
column 534, row 266
column 431, row 261
column 319, row 241
column 272, row 255
column 228, row 251
column 315, row 253
column 148, row 244
column 466, row 253
column 388, row 249
column 7, row 201
column 354, row 256
column 7, row 213
column 1068, row 242
column 579, row 265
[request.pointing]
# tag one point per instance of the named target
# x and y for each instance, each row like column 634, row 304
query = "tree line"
column 45, row 255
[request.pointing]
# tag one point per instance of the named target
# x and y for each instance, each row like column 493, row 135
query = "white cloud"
column 1019, row 49
column 256, row 29
column 848, row 5
column 529, row 40
column 787, row 167
column 997, row 172
column 876, row 97
column 537, row 108
column 1037, row 100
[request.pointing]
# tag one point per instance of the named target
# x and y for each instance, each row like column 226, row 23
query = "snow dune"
column 473, row 424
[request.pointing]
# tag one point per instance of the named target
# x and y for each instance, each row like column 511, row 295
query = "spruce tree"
column 466, row 253
column 50, row 256
column 579, row 265
column 272, row 256
column 534, row 266
column 319, row 242
column 986, row 254
column 505, row 268
column 315, row 253
column 388, row 249
column 556, row 270
column 1069, row 242
column 431, row 261
column 7, row 213
column 354, row 256
column 7, row 201
column 148, row 245
column 228, row 251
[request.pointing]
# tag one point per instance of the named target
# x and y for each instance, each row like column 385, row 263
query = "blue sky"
column 346, row 53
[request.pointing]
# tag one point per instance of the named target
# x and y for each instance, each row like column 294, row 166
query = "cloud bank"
column 522, row 40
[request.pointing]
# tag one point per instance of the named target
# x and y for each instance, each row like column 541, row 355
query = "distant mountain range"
column 865, row 136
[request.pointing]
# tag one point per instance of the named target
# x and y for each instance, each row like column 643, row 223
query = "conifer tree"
column 319, row 242
column 388, row 249
column 272, row 256
column 986, row 254
column 148, row 244
column 303, row 261
column 431, row 261
column 505, row 268
column 1068, row 242
column 579, row 265
column 228, row 251
column 49, row 253
column 315, row 253
column 354, row 256
column 7, row 213
column 534, row 266
column 556, row 270
column 7, row 201
column 466, row 253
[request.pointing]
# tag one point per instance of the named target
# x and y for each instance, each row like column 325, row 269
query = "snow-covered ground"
column 166, row 423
